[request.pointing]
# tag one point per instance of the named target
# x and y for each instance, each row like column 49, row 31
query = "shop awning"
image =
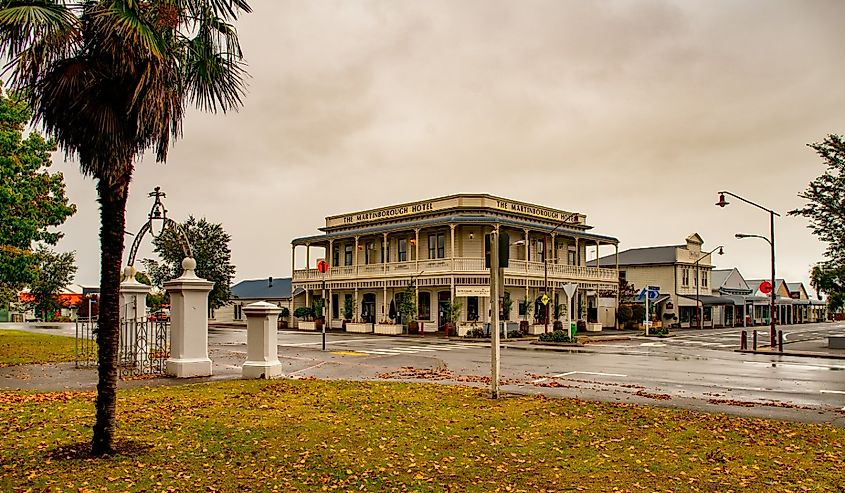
column 709, row 300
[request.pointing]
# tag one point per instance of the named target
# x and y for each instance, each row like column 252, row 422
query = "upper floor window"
column 437, row 246
column 541, row 250
column 335, row 257
column 684, row 276
column 347, row 255
column 704, row 279
column 570, row 259
column 403, row 250
column 623, row 276
column 370, row 252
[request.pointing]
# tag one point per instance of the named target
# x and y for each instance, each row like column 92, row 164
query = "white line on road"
column 831, row 392
column 589, row 373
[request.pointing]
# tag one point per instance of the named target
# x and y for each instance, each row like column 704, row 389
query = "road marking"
column 589, row 373
column 775, row 364
column 653, row 344
column 831, row 392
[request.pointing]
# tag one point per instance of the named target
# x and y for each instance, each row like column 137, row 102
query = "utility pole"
column 494, row 314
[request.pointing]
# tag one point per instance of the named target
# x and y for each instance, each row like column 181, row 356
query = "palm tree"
column 109, row 80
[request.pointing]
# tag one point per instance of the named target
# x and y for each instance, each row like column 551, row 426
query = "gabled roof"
column 269, row 288
column 755, row 284
column 640, row 256
column 719, row 276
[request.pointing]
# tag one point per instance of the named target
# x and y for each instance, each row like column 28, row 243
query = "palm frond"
column 122, row 22
column 22, row 22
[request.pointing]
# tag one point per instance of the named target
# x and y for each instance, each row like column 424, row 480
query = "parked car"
column 160, row 316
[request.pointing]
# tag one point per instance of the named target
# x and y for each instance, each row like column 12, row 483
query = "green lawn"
column 19, row 347
column 310, row 435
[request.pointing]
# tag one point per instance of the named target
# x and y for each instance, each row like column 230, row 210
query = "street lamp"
column 698, row 282
column 771, row 239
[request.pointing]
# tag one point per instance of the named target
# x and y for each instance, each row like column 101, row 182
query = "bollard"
column 780, row 341
column 743, row 341
column 773, row 338
column 755, row 339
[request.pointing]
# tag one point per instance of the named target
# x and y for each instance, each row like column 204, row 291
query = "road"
column 697, row 370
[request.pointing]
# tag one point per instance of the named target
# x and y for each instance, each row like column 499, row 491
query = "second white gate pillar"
column 188, row 323
column 262, row 360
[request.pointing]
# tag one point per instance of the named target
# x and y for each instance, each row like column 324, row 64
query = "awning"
column 709, row 300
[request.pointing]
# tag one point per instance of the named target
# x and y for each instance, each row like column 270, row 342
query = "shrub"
column 476, row 332
column 305, row 312
column 285, row 313
column 515, row 334
column 556, row 336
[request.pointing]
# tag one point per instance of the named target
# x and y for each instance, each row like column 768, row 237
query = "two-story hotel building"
column 437, row 246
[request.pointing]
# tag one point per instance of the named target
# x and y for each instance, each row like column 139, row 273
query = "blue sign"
column 653, row 293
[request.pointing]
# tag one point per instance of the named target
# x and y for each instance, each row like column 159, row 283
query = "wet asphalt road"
column 667, row 372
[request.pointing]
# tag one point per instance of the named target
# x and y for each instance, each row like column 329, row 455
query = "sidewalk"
column 816, row 348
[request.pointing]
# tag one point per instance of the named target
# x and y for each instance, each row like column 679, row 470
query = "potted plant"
column 305, row 315
column 453, row 314
column 558, row 325
column 526, row 308
column 388, row 326
column 408, row 310
column 348, row 310
column 283, row 318
column 317, row 313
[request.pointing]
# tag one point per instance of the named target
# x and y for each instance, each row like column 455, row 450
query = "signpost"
column 323, row 268
column 569, row 290
column 648, row 294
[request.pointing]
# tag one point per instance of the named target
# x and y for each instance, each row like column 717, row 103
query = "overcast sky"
column 634, row 113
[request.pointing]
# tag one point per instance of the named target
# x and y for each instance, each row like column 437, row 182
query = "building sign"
column 387, row 214
column 480, row 291
column 542, row 212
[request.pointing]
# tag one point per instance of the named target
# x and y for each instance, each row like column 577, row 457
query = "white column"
column 307, row 256
column 188, row 323
column 133, row 296
column 262, row 359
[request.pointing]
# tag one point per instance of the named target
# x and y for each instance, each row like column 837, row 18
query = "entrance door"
column 368, row 308
column 443, row 298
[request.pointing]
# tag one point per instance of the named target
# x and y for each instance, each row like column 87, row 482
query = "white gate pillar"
column 262, row 359
column 188, row 323
column 133, row 296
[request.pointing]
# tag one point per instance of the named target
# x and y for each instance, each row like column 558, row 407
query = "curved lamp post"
column 771, row 240
column 698, row 281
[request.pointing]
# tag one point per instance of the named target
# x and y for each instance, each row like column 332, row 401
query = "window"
column 385, row 248
column 571, row 258
column 704, row 279
column 472, row 308
column 541, row 251
column 336, row 257
column 684, row 276
column 403, row 250
column 370, row 252
column 424, row 306
column 623, row 276
column 347, row 255
column 238, row 311
column 437, row 246
column 335, row 307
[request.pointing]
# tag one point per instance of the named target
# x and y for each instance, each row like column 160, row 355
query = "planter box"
column 465, row 328
column 305, row 325
column 537, row 329
column 591, row 327
column 359, row 328
column 389, row 329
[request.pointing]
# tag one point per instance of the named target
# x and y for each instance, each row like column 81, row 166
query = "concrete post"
column 133, row 296
column 261, row 341
column 188, row 323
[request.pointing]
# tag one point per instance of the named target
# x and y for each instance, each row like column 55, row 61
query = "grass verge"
column 18, row 347
column 308, row 435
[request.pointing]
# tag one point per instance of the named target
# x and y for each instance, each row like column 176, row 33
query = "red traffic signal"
column 322, row 266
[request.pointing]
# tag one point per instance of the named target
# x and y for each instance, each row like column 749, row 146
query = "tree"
column 110, row 79
column 826, row 211
column 54, row 272
column 32, row 200
column 210, row 247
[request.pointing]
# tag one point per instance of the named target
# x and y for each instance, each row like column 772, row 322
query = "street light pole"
column 546, row 274
column 771, row 240
column 698, row 282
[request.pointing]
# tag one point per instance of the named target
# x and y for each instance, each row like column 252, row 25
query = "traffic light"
column 504, row 250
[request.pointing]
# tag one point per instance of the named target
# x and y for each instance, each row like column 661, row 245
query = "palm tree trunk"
column 112, row 222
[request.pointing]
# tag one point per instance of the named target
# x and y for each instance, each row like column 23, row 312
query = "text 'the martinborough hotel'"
column 437, row 247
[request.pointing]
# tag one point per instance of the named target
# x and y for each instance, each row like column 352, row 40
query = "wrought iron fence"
column 143, row 348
